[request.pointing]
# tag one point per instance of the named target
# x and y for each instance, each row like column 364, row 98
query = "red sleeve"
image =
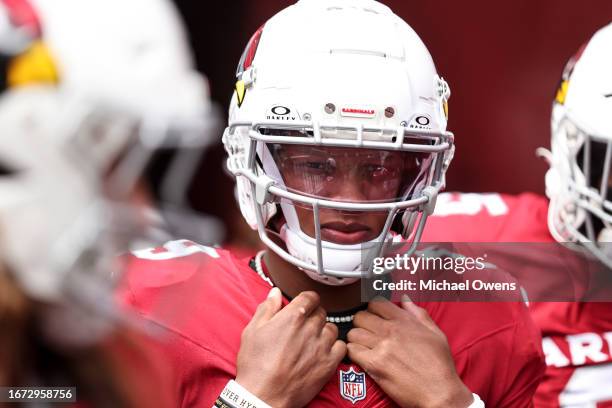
column 515, row 365
column 181, row 289
column 496, row 348
column 524, row 372
column 202, row 373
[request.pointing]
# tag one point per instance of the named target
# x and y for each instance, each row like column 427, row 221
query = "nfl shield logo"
column 352, row 385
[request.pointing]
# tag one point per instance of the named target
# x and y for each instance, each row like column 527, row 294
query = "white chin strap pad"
column 339, row 258
column 552, row 180
column 605, row 236
column 604, row 239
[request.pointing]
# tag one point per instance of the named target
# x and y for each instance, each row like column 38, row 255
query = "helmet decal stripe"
column 22, row 14
column 246, row 60
column 561, row 93
column 248, row 54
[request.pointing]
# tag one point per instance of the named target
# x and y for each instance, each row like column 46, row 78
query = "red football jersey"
column 204, row 298
column 577, row 337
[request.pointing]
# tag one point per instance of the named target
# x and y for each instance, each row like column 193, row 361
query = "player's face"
column 348, row 175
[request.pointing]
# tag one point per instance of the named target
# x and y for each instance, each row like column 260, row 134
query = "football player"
column 83, row 90
column 337, row 138
column 576, row 335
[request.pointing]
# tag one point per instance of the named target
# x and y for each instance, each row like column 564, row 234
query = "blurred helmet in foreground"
column 88, row 94
column 134, row 56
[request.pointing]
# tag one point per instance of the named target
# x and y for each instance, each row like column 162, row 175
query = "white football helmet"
column 85, row 106
column 578, row 182
column 346, row 80
column 142, row 49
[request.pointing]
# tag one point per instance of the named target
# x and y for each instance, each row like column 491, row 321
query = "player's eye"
column 377, row 171
column 317, row 165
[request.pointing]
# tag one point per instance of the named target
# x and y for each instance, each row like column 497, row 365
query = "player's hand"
column 407, row 355
column 287, row 356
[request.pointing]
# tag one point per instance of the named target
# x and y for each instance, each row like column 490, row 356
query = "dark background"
column 503, row 60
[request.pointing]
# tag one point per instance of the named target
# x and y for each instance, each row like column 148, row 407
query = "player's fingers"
column 383, row 308
column 359, row 355
column 269, row 307
column 367, row 320
column 303, row 304
column 329, row 334
column 337, row 353
column 317, row 319
column 418, row 312
column 362, row 337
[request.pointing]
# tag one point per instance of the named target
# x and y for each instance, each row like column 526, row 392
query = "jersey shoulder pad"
column 174, row 262
column 471, row 204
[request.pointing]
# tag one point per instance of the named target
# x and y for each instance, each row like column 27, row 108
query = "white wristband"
column 235, row 395
column 477, row 403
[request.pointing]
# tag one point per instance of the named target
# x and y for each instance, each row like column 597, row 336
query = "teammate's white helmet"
column 325, row 75
column 106, row 79
column 578, row 181
column 142, row 49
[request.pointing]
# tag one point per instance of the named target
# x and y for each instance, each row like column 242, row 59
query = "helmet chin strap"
column 305, row 249
column 333, row 256
column 348, row 258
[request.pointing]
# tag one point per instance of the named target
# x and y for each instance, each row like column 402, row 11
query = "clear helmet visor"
column 346, row 175
column 350, row 175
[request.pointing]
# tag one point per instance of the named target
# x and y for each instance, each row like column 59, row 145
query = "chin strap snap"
column 432, row 195
column 262, row 190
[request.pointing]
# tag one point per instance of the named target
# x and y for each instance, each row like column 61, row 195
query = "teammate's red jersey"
column 577, row 337
column 205, row 297
column 467, row 217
